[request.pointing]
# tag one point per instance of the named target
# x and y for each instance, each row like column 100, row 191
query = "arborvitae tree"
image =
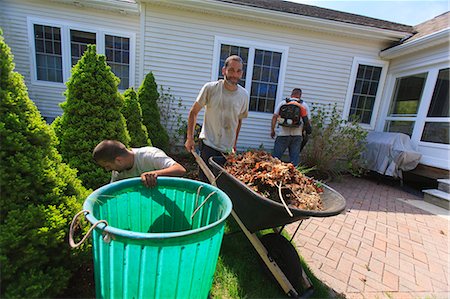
column 148, row 98
column 39, row 195
column 132, row 112
column 91, row 114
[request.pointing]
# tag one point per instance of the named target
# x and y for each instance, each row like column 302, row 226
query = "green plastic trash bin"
column 160, row 242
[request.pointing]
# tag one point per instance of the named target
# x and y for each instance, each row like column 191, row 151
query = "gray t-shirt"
column 145, row 159
column 223, row 111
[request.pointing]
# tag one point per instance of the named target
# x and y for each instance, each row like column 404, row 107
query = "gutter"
column 422, row 43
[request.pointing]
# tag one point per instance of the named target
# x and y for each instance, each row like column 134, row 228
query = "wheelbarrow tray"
column 258, row 212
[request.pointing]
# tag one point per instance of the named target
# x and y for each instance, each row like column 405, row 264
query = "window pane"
column 78, row 43
column 407, row 94
column 118, row 58
column 439, row 106
column 399, row 126
column 436, row 132
column 47, row 41
column 228, row 50
column 364, row 93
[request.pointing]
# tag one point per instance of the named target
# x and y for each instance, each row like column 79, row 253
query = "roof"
column 431, row 26
column 321, row 13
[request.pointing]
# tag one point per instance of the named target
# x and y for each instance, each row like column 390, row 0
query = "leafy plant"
column 148, row 98
column 91, row 113
column 335, row 145
column 171, row 117
column 133, row 115
column 39, row 195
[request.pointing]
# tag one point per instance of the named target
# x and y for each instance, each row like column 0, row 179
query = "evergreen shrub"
column 148, row 98
column 91, row 113
column 132, row 112
column 335, row 145
column 39, row 196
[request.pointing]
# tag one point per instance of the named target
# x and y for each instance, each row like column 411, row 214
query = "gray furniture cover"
column 390, row 153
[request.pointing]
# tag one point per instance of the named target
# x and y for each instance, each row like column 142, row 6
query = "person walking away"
column 291, row 127
column 226, row 104
column 145, row 162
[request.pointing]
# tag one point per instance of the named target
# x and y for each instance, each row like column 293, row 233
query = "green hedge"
column 133, row 115
column 91, row 113
column 39, row 196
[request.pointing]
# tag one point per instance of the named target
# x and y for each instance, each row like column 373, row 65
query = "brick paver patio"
column 382, row 247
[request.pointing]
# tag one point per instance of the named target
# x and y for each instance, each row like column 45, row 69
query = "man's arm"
column 238, row 129
column 274, row 122
column 192, row 120
column 149, row 178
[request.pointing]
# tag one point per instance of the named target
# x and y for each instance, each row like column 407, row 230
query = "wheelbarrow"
column 254, row 212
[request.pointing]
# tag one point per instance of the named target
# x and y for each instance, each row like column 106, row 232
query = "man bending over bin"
column 147, row 162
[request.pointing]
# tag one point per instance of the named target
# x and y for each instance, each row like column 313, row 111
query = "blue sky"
column 408, row 12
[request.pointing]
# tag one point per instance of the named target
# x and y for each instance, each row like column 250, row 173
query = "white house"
column 394, row 77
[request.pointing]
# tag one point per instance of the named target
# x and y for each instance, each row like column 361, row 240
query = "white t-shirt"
column 223, row 111
column 290, row 131
column 145, row 159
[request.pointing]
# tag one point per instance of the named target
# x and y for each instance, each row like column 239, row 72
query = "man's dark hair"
column 235, row 58
column 108, row 150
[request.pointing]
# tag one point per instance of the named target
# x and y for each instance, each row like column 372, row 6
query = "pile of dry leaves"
column 274, row 179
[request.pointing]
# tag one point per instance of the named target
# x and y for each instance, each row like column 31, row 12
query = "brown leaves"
column 264, row 174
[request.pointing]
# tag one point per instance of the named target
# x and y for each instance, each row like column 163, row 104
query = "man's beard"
column 230, row 82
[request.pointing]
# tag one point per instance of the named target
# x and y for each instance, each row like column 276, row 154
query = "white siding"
column 13, row 20
column 179, row 48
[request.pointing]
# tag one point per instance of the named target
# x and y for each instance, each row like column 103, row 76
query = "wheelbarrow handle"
column 205, row 168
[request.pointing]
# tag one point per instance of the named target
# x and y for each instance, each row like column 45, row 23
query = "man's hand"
column 272, row 133
column 189, row 144
column 149, row 179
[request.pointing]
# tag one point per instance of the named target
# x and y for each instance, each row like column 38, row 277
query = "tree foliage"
column 133, row 115
column 148, row 98
column 39, row 195
column 91, row 113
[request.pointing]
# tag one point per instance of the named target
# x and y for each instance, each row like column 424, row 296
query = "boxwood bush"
column 148, row 98
column 132, row 112
column 39, row 196
column 91, row 113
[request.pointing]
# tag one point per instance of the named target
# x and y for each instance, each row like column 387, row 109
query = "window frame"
column 351, row 86
column 65, row 28
column 421, row 118
column 252, row 46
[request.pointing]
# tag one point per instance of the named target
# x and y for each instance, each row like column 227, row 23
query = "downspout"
column 142, row 8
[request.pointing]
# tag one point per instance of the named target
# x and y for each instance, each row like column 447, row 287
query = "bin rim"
column 90, row 201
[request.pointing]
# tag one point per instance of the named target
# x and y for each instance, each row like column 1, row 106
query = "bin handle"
column 71, row 230
column 198, row 208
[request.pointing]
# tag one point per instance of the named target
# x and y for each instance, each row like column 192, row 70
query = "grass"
column 240, row 272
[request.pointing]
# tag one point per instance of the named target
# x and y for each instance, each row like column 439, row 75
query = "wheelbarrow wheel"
column 284, row 254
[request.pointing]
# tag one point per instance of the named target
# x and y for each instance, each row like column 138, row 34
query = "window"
column 47, row 43
column 58, row 47
column 118, row 57
column 405, row 103
column 437, row 125
column 262, row 68
column 364, row 91
column 78, row 43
